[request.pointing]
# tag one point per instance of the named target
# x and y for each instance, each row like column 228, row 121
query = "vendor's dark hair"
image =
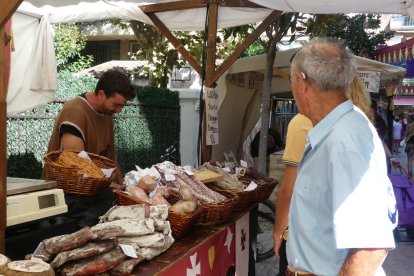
column 112, row 82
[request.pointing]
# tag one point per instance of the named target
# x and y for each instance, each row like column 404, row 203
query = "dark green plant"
column 24, row 165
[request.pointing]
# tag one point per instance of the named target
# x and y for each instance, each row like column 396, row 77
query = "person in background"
column 409, row 145
column 341, row 180
column 382, row 130
column 396, row 134
column 297, row 132
column 274, row 143
column 296, row 138
column 86, row 123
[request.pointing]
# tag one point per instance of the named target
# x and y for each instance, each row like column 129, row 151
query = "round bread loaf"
column 28, row 268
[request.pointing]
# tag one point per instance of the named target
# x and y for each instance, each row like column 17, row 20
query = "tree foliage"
column 68, row 46
column 162, row 56
column 360, row 31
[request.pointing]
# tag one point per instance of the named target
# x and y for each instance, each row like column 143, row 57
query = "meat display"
column 97, row 251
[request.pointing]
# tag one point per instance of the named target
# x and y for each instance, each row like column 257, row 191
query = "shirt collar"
column 325, row 126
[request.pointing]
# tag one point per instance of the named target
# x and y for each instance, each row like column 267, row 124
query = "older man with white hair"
column 343, row 210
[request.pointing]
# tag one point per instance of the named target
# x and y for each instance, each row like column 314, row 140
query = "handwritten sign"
column 212, row 103
column 370, row 79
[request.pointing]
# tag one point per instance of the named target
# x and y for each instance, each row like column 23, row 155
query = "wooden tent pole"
column 206, row 150
column 3, row 143
column 7, row 8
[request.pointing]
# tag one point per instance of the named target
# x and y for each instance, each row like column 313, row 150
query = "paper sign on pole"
column 212, row 103
column 370, row 79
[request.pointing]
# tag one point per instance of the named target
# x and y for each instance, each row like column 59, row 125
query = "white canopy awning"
column 33, row 82
column 194, row 19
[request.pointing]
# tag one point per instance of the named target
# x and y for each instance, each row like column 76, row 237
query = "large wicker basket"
column 180, row 223
column 217, row 212
column 74, row 183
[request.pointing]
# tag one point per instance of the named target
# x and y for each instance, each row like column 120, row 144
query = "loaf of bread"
column 84, row 166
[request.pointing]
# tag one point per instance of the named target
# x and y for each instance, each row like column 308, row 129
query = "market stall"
column 167, row 13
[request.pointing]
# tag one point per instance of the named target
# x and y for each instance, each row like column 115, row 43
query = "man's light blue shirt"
column 342, row 197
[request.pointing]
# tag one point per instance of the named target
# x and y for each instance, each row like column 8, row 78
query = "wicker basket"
column 73, row 183
column 265, row 184
column 180, row 223
column 217, row 212
column 263, row 191
column 243, row 200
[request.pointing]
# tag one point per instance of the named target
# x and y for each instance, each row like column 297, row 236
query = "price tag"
column 226, row 169
column 243, row 163
column 39, row 249
column 169, row 176
column 251, row 186
column 189, row 172
column 128, row 250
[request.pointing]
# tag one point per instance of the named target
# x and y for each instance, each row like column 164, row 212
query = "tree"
column 360, row 31
column 280, row 28
column 162, row 56
column 68, row 46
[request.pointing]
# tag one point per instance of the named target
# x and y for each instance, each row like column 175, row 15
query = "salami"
column 151, row 240
column 88, row 250
column 67, row 242
column 200, row 190
column 94, row 265
column 125, row 268
column 123, row 227
column 125, row 212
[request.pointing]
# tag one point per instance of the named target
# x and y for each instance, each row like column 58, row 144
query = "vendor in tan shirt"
column 86, row 123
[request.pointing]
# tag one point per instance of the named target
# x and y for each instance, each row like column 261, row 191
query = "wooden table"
column 210, row 250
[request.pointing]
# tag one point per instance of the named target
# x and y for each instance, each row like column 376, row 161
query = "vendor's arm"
column 283, row 203
column 364, row 261
column 72, row 142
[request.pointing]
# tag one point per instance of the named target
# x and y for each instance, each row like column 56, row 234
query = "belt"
column 293, row 272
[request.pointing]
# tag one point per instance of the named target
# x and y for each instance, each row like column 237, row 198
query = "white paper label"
column 84, row 155
column 128, row 250
column 169, row 176
column 212, row 104
column 38, row 250
column 226, row 169
column 188, row 171
column 243, row 163
column 251, row 186
column 108, row 172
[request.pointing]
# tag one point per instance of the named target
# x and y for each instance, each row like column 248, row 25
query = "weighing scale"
column 33, row 199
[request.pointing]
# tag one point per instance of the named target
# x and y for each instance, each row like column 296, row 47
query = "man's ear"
column 101, row 93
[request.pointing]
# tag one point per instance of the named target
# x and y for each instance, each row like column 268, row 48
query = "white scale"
column 33, row 199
